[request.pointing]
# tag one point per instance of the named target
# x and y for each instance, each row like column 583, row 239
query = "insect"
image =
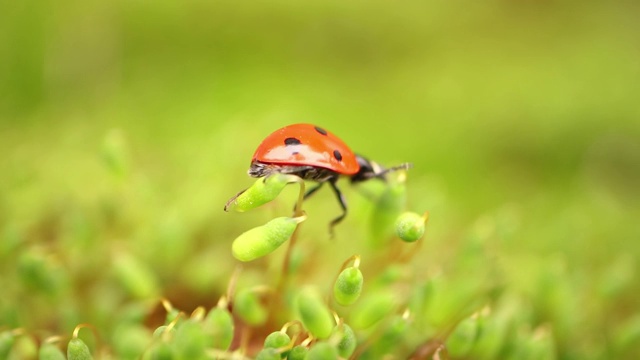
column 314, row 154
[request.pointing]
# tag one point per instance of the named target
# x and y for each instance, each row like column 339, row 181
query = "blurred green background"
column 126, row 125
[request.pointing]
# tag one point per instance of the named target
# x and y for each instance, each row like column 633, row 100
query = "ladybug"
column 315, row 154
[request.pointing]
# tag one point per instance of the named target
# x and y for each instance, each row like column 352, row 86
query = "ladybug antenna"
column 403, row 166
column 370, row 169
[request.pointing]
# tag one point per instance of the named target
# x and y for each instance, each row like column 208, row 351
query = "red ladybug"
column 313, row 153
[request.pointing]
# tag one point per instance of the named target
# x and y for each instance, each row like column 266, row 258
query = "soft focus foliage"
column 126, row 125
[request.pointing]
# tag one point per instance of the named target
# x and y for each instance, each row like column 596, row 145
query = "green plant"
column 125, row 125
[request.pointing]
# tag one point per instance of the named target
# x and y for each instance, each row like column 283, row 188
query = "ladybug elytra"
column 313, row 153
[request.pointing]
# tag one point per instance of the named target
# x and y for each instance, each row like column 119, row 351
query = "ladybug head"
column 370, row 169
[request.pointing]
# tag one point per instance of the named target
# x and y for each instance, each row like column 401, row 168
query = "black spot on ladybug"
column 337, row 155
column 292, row 141
column 321, row 130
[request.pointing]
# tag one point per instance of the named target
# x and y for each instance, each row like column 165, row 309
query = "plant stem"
column 298, row 212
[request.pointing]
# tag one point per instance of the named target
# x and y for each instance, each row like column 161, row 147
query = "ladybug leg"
column 343, row 205
column 312, row 190
column 226, row 206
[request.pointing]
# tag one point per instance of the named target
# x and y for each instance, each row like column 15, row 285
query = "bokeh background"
column 126, row 125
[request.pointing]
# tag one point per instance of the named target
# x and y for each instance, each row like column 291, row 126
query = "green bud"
column 389, row 205
column 495, row 328
column 393, row 333
column 130, row 340
column 410, row 226
column 25, row 347
column 160, row 351
column 264, row 239
column 372, row 309
column 348, row 341
column 627, row 334
column 133, row 313
column 542, row 344
column 348, row 286
column 298, row 352
column 314, row 313
column 449, row 297
column 277, row 340
column 247, row 306
column 115, row 153
column 190, row 341
column 159, row 332
column 298, row 259
column 268, row 354
column 135, row 276
column 261, row 192
column 219, row 327
column 10, row 240
column 532, row 345
column 7, row 339
column 322, row 351
column 391, row 274
column 618, row 277
column 49, row 351
column 463, row 337
column 39, row 273
column 171, row 243
column 78, row 350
